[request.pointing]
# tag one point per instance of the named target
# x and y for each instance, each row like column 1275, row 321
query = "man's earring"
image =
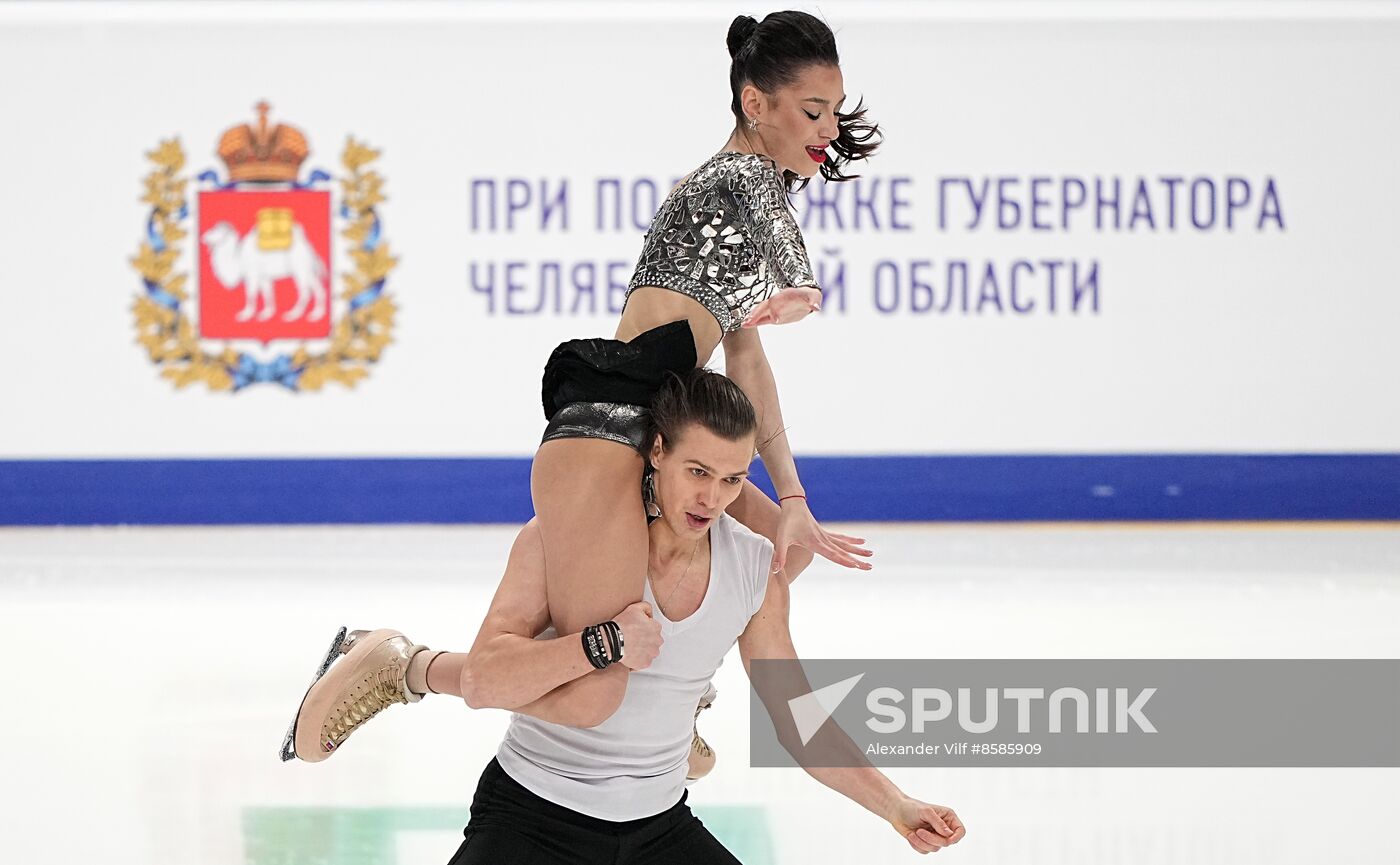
column 649, row 495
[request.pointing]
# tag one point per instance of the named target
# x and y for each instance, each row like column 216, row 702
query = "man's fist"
column 641, row 636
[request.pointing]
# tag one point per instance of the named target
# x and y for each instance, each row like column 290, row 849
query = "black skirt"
column 603, row 388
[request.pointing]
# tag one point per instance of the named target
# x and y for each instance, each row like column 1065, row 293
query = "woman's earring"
column 649, row 504
column 753, row 124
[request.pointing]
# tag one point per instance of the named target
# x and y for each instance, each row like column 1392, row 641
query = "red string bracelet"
column 795, row 496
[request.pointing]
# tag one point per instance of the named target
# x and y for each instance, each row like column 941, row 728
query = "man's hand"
column 927, row 828
column 641, row 636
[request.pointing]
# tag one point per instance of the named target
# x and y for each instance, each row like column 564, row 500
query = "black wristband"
column 602, row 644
column 614, row 634
column 593, row 647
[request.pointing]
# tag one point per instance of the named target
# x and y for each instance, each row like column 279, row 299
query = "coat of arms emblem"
column 262, row 261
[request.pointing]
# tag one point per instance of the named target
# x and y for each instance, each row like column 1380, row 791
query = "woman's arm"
column 761, row 515
column 746, row 364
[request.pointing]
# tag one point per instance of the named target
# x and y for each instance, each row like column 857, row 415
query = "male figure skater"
column 568, row 785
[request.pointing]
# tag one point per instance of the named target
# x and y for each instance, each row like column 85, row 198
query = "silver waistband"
column 620, row 422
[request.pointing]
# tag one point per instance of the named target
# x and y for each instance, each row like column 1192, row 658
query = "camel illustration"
column 238, row 260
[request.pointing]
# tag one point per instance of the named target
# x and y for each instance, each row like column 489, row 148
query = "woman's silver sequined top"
column 725, row 237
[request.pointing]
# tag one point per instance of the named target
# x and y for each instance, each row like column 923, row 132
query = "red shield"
column 264, row 265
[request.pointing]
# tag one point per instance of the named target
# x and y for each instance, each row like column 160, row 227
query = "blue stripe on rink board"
column 878, row 488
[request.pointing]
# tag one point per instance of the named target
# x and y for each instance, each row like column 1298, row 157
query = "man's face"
column 698, row 478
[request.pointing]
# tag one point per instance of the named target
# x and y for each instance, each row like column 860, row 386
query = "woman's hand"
column 927, row 828
column 786, row 306
column 798, row 526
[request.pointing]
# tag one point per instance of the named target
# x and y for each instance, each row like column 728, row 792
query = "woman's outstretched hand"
column 798, row 526
column 786, row 306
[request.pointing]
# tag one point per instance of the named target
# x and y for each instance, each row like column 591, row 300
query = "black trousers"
column 511, row 826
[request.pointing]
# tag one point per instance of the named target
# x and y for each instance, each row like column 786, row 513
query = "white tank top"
column 633, row 764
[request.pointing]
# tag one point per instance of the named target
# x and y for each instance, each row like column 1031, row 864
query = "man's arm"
column 550, row 679
column 926, row 827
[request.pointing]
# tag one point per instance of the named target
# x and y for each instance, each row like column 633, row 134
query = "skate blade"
column 289, row 751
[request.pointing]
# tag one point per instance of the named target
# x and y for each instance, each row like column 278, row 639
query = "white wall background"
column 1204, row 341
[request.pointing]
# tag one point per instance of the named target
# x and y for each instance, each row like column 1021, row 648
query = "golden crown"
column 263, row 154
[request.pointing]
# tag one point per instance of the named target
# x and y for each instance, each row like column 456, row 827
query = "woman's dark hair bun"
column 740, row 30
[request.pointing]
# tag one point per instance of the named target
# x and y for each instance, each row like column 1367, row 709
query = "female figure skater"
column 723, row 255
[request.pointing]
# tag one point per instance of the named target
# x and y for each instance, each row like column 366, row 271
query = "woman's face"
column 797, row 117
